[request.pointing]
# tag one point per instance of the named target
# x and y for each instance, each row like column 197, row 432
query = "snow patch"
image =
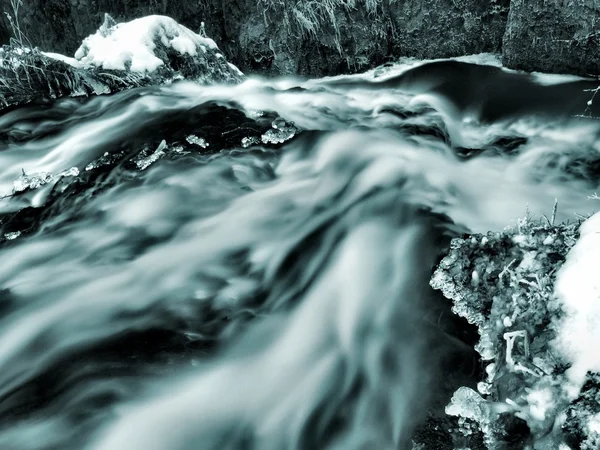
column 467, row 403
column 540, row 403
column 594, row 424
column 578, row 287
column 133, row 44
column 234, row 68
column 66, row 59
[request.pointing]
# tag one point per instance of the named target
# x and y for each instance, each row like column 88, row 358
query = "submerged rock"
column 161, row 137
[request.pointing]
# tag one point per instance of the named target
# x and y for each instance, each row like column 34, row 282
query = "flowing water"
column 164, row 287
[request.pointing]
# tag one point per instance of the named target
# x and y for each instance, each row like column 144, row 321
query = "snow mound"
column 132, row 45
column 578, row 287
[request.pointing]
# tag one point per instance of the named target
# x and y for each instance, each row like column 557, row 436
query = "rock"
column 354, row 36
column 553, row 36
column 145, row 51
column 61, row 25
column 167, row 135
column 156, row 44
column 524, row 317
column 276, row 37
column 306, row 38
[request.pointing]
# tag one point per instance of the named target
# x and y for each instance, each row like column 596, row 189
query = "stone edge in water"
column 504, row 284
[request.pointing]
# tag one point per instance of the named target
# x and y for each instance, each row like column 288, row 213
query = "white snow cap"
column 578, row 287
column 134, row 42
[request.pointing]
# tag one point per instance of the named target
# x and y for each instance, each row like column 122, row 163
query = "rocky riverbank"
column 152, row 50
column 553, row 36
column 330, row 37
column 526, row 289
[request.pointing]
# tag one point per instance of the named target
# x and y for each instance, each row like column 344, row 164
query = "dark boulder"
column 553, row 36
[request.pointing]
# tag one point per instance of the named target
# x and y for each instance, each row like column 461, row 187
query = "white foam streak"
column 273, row 393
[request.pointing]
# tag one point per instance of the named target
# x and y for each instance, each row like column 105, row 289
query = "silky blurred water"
column 271, row 295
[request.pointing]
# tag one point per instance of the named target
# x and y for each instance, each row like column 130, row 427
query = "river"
column 165, row 287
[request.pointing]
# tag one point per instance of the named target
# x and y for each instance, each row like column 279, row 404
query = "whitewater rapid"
column 268, row 295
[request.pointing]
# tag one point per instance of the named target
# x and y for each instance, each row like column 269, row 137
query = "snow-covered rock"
column 148, row 51
column 155, row 43
column 520, row 309
column 131, row 45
